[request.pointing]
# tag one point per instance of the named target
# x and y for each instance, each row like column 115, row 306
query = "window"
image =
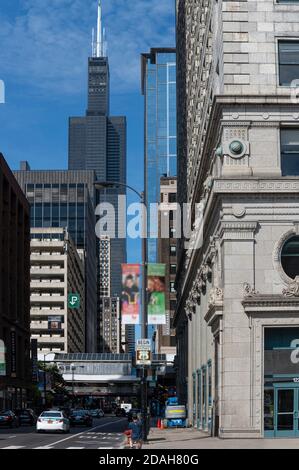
column 172, row 197
column 173, row 269
column 288, row 62
column 172, row 288
column 290, row 257
column 172, row 232
column 290, row 152
column 203, row 398
column 173, row 250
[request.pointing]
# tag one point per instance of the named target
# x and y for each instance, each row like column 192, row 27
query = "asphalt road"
column 106, row 433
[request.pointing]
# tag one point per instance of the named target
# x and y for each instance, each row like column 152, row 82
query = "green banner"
column 156, row 299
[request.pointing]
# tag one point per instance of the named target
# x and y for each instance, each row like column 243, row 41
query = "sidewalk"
column 193, row 439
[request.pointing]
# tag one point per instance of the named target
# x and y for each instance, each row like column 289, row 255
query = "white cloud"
column 47, row 43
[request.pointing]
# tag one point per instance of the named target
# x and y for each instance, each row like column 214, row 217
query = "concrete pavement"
column 193, row 439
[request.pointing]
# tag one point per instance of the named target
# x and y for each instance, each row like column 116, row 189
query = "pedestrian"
column 128, row 434
column 136, row 437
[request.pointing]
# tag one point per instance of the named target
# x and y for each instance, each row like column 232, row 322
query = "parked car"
column 26, row 416
column 82, row 417
column 66, row 410
column 97, row 413
column 53, row 421
column 9, row 418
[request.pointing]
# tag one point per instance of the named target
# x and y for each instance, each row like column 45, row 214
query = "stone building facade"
column 238, row 148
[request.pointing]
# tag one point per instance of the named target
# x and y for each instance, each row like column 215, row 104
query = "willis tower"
column 97, row 141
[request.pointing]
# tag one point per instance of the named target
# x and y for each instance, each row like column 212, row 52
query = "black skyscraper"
column 97, row 141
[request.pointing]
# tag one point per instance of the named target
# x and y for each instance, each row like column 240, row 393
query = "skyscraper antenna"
column 99, row 48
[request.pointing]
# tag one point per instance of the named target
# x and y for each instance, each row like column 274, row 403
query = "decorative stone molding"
column 271, row 305
column 215, row 308
column 236, row 148
column 248, row 290
column 293, row 289
column 238, row 230
column 206, row 272
column 255, row 186
column 239, row 211
column 215, row 296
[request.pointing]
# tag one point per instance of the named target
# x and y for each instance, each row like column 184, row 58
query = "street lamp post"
column 144, row 317
column 45, row 381
column 73, row 368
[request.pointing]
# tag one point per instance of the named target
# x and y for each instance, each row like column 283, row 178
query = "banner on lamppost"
column 156, row 300
column 130, row 298
column 2, row 359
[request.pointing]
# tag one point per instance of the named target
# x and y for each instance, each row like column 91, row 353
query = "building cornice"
column 258, row 304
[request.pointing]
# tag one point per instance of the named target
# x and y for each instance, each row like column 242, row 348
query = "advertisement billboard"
column 130, row 298
column 156, row 301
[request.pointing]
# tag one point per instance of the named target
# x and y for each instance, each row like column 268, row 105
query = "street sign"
column 143, row 352
column 74, row 301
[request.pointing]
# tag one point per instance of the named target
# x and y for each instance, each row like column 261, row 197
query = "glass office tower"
column 63, row 198
column 158, row 78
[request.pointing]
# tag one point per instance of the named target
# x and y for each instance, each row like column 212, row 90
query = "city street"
column 106, row 433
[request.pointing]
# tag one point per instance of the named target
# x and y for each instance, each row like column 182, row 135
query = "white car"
column 53, row 421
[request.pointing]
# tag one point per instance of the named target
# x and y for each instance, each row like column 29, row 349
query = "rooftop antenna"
column 99, row 48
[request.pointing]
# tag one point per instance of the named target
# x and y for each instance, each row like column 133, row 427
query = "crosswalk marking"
column 43, row 447
column 74, row 448
column 12, row 447
column 67, row 448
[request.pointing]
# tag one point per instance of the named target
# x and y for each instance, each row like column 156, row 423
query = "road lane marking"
column 85, row 432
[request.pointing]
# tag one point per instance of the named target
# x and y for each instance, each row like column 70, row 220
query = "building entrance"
column 281, row 382
column 286, row 400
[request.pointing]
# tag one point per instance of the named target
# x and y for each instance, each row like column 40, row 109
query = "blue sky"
column 44, row 45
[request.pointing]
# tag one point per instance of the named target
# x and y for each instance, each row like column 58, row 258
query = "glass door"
column 286, row 411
